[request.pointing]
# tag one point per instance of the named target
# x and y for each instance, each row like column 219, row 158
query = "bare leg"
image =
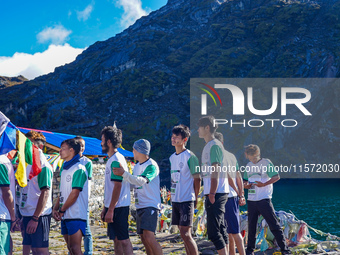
column 40, row 251
column 74, row 242
column 231, row 245
column 222, row 251
column 26, row 249
column 189, row 242
column 127, row 246
column 150, row 240
column 118, row 246
column 239, row 243
column 146, row 245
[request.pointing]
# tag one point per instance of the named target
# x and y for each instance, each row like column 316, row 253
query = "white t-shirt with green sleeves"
column 183, row 166
column 30, row 194
column 213, row 154
column 7, row 179
column 230, row 163
column 85, row 161
column 110, row 179
column 148, row 195
column 74, row 178
column 261, row 171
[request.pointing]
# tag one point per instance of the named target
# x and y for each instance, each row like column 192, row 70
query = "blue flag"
column 8, row 139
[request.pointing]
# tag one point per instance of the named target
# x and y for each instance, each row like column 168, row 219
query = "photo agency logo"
column 269, row 105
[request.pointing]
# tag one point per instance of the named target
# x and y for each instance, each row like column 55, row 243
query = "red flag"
column 36, row 164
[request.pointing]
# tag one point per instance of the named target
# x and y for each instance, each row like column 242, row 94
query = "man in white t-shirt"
column 35, row 203
column 72, row 203
column 147, row 194
column 259, row 177
column 185, row 186
column 116, row 192
column 235, row 198
column 88, row 165
column 215, row 183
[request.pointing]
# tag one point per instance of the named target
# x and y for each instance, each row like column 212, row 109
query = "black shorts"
column 182, row 213
column 147, row 219
column 39, row 239
column 119, row 228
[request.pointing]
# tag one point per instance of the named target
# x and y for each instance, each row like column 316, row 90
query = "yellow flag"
column 21, row 171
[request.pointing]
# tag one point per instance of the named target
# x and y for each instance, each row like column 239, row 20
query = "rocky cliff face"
column 140, row 77
column 11, row 81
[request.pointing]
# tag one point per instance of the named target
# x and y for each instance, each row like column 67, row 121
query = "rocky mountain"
column 11, row 81
column 140, row 77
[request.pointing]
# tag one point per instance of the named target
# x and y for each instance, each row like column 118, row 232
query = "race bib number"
column 136, row 197
column 175, row 178
column 252, row 190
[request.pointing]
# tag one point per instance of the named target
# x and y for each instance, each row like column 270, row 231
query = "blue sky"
column 36, row 36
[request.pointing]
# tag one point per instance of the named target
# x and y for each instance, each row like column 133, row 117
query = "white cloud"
column 56, row 35
column 39, row 63
column 132, row 11
column 85, row 14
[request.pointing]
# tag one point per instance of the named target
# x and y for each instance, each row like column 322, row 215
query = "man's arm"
column 72, row 198
column 213, row 183
column 197, row 186
column 33, row 223
column 272, row 180
column 216, row 159
column 9, row 202
column 55, row 210
column 45, row 183
column 114, row 200
column 136, row 180
column 232, row 184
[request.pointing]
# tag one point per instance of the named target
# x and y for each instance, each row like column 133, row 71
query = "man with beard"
column 116, row 193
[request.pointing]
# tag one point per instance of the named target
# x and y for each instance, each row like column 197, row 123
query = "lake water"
column 317, row 202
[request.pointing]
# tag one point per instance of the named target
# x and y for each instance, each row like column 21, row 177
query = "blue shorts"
column 70, row 227
column 39, row 239
column 232, row 215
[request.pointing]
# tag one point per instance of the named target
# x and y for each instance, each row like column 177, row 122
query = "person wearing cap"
column 35, row 203
column 116, row 192
column 147, row 194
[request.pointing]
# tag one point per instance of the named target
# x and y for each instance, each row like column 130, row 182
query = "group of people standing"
column 223, row 192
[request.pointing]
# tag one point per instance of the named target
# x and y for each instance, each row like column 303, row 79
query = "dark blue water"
column 317, row 202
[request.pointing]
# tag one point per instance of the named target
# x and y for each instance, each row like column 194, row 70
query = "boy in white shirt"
column 259, row 177
column 185, row 186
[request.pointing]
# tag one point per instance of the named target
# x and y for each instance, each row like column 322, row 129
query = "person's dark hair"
column 252, row 149
column 114, row 135
column 74, row 144
column 37, row 137
column 78, row 137
column 182, row 130
column 30, row 134
column 208, row 121
column 219, row 136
